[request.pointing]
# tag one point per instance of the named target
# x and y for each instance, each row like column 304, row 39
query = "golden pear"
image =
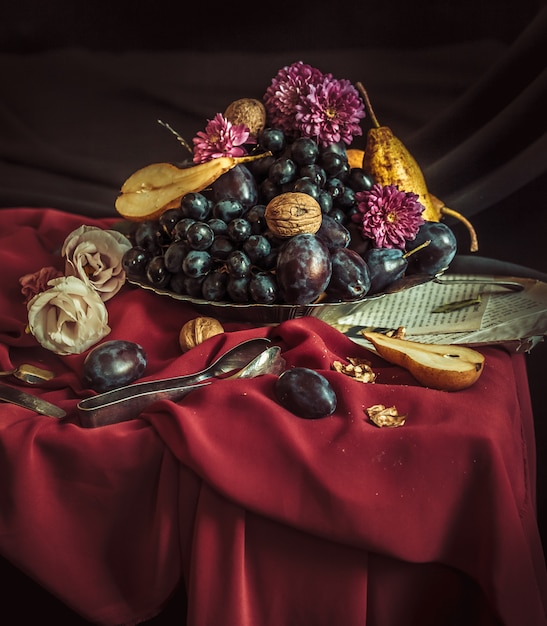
column 439, row 366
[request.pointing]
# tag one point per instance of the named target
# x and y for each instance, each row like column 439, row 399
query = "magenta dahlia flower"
column 330, row 112
column 288, row 87
column 221, row 138
column 388, row 216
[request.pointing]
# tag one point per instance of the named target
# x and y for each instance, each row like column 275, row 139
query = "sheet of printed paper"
column 413, row 309
column 518, row 318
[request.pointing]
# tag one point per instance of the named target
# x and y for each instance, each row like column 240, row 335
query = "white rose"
column 95, row 256
column 69, row 317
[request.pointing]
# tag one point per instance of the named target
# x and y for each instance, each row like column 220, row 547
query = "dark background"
column 34, row 25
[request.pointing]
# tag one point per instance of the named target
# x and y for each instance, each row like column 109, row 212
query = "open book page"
column 471, row 309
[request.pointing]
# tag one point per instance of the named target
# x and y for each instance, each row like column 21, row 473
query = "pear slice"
column 439, row 366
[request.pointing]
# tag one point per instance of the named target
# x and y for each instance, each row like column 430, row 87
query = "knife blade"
column 29, row 401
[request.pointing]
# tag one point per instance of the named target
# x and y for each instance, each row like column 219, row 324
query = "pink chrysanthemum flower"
column 331, row 112
column 289, row 86
column 388, row 216
column 221, row 138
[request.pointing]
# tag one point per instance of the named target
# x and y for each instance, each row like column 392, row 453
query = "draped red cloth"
column 264, row 517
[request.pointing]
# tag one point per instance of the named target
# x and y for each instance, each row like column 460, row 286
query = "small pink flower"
column 31, row 284
column 388, row 216
column 221, row 138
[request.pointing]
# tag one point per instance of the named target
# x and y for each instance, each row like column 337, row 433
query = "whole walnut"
column 293, row 213
column 197, row 330
column 248, row 111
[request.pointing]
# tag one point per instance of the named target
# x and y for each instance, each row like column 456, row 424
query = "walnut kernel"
column 197, row 330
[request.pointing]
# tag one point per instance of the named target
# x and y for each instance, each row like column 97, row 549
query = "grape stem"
column 181, row 139
column 368, row 105
column 420, row 247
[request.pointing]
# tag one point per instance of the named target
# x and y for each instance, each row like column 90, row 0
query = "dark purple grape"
column 346, row 199
column 325, row 202
column 192, row 286
column 335, row 187
column 257, row 248
column 181, row 228
column 174, row 255
column 306, row 393
column 196, row 263
column 337, row 213
column 113, row 364
column 282, row 171
column 213, row 287
column 237, row 288
column 332, row 233
column 386, row 265
column 149, row 237
column 260, row 167
column 255, row 217
column 200, row 236
column 303, row 269
column 221, row 247
column 333, row 163
column 156, row 272
column 338, row 147
column 218, row 226
column 168, row 219
column 350, row 278
column 272, row 139
column 177, row 284
column 238, row 264
column 306, row 185
column 228, row 209
column 304, row 151
column 268, row 190
column 134, row 263
column 196, row 206
column 436, row 256
column 263, row 288
column 358, row 180
column 239, row 230
column 315, row 172
column 237, row 183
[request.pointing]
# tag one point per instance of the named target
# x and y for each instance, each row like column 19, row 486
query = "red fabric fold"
column 266, row 518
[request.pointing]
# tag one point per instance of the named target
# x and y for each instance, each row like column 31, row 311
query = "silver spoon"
column 30, row 374
column 245, row 360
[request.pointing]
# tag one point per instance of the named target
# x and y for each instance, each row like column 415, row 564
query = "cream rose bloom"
column 69, row 317
column 95, row 256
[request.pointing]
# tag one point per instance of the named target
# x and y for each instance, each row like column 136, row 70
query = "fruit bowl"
column 329, row 312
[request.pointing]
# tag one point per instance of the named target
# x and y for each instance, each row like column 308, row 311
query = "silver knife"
column 27, row 400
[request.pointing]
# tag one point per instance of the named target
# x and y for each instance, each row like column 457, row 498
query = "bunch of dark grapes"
column 217, row 246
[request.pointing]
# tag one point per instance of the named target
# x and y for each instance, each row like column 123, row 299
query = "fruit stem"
column 368, row 105
column 420, row 247
column 474, row 245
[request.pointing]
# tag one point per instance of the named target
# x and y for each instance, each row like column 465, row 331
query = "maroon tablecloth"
column 264, row 517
